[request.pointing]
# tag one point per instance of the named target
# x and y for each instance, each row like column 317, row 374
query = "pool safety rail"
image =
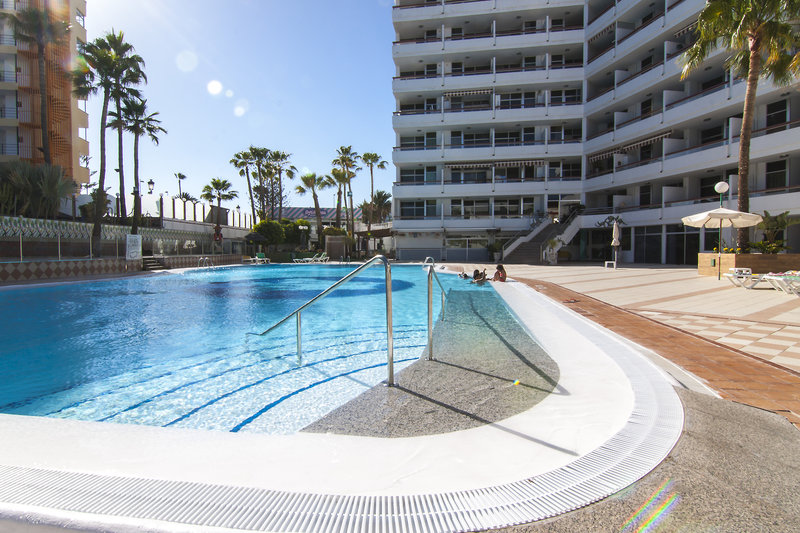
column 389, row 338
column 430, row 264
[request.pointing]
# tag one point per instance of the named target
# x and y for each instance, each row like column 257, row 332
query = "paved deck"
column 710, row 328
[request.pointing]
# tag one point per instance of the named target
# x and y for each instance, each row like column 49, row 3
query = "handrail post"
column 389, row 335
column 430, row 313
column 299, row 340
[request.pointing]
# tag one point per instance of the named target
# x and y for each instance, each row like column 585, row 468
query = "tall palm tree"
column 129, row 74
column 347, row 160
column 260, row 156
column 218, row 189
column 757, row 35
column 338, row 179
column 372, row 160
column 312, row 183
column 180, row 176
column 243, row 161
column 34, row 26
column 99, row 67
column 280, row 164
column 137, row 121
column 383, row 205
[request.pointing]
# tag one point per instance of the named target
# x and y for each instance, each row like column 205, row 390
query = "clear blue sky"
column 300, row 76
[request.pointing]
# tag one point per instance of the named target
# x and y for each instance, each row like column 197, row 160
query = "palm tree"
column 312, row 182
column 280, row 163
column 137, row 121
column 99, row 67
column 758, row 35
column 180, row 177
column 338, row 179
column 382, row 203
column 259, row 156
column 34, row 26
column 347, row 159
column 372, row 160
column 243, row 161
column 218, row 189
column 129, row 74
column 186, row 197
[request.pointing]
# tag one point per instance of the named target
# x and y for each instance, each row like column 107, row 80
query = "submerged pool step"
column 247, row 391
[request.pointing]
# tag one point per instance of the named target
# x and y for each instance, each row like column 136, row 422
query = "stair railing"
column 389, row 337
column 430, row 264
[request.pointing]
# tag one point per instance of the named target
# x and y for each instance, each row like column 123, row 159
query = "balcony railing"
column 8, row 112
column 655, row 17
column 641, row 72
column 9, row 149
column 8, row 76
column 437, row 3
column 7, row 40
column 501, row 106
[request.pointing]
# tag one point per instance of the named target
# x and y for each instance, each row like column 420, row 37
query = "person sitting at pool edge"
column 478, row 276
column 499, row 274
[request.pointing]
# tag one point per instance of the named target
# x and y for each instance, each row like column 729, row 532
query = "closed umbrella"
column 615, row 234
column 721, row 218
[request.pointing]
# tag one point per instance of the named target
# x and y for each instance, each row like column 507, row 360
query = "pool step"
column 153, row 264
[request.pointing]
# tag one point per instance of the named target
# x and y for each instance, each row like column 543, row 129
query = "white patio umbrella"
column 615, row 243
column 721, row 218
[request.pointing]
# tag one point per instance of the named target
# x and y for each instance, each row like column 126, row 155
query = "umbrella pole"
column 719, row 253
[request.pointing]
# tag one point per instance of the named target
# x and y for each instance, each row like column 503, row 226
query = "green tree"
column 347, row 160
column 243, row 161
column 102, row 62
column 338, row 179
column 180, row 177
column 138, row 122
column 383, row 206
column 313, row 183
column 280, row 164
column 372, row 160
column 758, row 35
column 271, row 230
column 259, row 157
column 218, row 189
column 33, row 191
column 35, row 27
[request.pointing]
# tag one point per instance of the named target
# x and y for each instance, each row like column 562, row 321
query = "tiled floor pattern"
column 778, row 343
column 734, row 375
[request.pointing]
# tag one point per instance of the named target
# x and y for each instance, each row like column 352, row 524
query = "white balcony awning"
column 467, row 93
column 524, row 163
column 603, row 155
column 685, row 29
column 468, row 165
column 645, row 142
column 602, row 32
column 500, row 164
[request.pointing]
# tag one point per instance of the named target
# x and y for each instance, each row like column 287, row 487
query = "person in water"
column 478, row 276
column 499, row 274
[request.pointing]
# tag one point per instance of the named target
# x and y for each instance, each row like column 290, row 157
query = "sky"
column 301, row 76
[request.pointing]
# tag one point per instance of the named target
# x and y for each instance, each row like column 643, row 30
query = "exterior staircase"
column 532, row 251
column 152, row 264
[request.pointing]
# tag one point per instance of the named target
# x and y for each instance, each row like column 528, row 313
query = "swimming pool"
column 173, row 350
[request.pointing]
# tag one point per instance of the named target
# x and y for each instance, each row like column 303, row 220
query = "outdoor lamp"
column 150, row 186
column 721, row 187
column 237, row 208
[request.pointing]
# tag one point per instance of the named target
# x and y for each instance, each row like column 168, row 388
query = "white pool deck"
column 612, row 418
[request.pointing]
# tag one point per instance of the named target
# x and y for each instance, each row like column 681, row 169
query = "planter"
column 758, row 263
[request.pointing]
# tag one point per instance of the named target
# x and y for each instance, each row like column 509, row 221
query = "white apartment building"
column 514, row 113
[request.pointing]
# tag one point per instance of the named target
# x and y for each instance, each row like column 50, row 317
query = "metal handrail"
column 389, row 337
column 431, row 264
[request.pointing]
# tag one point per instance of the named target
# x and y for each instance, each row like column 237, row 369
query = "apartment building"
column 522, row 121
column 20, row 124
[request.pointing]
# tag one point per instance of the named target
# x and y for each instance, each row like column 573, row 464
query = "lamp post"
column 352, row 222
column 239, row 213
column 150, row 186
column 721, row 187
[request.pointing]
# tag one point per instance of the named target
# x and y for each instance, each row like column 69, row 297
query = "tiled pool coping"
column 616, row 419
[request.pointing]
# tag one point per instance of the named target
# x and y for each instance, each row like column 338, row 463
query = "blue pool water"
column 174, row 350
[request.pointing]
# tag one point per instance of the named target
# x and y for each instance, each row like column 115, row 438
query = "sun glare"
column 214, row 87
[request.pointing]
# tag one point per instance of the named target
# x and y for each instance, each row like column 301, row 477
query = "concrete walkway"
column 662, row 309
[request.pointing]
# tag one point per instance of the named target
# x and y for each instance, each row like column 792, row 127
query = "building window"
column 418, row 209
column 506, row 174
column 80, row 18
column 506, row 208
column 707, row 187
column 776, row 114
column 776, row 175
column 412, row 175
column 645, row 195
column 711, row 135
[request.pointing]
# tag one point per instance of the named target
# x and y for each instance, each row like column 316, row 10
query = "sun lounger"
column 788, row 283
column 743, row 277
column 262, row 259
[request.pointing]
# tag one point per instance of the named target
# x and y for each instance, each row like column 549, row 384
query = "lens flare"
column 214, row 87
column 186, row 61
column 241, row 107
column 229, row 93
column 658, row 514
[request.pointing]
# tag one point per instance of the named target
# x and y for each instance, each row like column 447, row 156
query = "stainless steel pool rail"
column 430, row 264
column 389, row 337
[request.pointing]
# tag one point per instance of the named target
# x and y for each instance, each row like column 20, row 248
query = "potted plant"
column 495, row 250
